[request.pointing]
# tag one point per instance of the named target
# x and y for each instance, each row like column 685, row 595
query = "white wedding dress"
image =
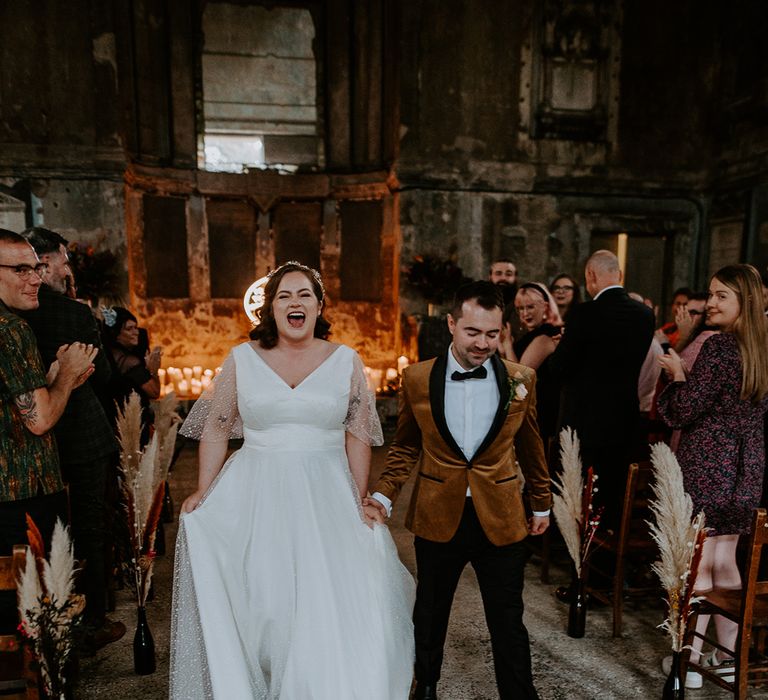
column 280, row 589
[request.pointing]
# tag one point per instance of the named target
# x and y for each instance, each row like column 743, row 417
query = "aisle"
column 597, row 666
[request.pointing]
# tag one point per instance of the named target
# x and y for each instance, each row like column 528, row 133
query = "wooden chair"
column 748, row 608
column 17, row 678
column 632, row 540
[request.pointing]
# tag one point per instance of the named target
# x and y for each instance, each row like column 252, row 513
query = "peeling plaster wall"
column 477, row 186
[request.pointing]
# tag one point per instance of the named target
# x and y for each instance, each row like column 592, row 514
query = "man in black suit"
column 86, row 442
column 598, row 364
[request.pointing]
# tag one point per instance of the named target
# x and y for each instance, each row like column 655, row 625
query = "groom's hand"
column 372, row 514
column 537, row 524
column 371, row 502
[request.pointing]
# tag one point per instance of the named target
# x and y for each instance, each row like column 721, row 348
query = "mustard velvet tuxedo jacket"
column 423, row 442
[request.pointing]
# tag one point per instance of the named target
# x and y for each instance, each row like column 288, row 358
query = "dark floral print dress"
column 722, row 445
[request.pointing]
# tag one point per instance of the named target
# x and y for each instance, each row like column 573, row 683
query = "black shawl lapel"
column 502, row 381
column 437, row 401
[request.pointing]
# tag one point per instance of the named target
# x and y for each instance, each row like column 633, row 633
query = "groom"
column 467, row 423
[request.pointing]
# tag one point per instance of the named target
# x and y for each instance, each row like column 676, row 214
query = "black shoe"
column 425, row 692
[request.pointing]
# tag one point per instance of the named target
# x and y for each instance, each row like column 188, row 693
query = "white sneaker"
column 725, row 669
column 693, row 680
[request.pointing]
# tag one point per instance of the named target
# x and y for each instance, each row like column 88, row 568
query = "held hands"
column 373, row 511
column 672, row 365
column 537, row 524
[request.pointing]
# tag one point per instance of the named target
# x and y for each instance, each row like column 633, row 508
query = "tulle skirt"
column 281, row 591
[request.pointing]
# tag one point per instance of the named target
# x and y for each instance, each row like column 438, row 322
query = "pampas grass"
column 144, row 476
column 680, row 538
column 48, row 607
column 572, row 501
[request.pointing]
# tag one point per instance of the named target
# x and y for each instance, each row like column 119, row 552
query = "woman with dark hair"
column 719, row 406
column 566, row 292
column 132, row 370
column 283, row 587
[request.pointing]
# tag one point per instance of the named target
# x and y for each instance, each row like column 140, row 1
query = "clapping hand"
column 152, row 359
column 672, row 364
column 75, row 363
column 684, row 321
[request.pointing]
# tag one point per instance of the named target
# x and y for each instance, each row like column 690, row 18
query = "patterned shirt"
column 29, row 463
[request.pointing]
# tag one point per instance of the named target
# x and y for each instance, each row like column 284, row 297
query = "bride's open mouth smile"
column 296, row 319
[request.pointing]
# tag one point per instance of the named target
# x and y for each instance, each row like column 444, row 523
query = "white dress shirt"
column 470, row 407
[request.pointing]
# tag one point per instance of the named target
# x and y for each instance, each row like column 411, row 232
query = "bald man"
column 598, row 363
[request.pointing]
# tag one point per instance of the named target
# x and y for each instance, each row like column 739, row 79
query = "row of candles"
column 193, row 381
column 185, row 381
column 381, row 380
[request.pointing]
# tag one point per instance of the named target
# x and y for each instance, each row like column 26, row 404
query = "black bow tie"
column 477, row 373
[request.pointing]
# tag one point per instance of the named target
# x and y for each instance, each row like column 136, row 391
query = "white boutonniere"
column 517, row 389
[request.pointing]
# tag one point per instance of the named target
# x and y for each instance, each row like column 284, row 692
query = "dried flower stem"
column 680, row 539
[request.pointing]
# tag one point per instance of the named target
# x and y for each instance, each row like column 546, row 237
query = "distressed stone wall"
column 430, row 106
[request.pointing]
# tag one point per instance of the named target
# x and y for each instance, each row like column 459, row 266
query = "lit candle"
column 205, row 381
column 197, row 372
column 187, row 373
column 391, row 374
column 161, row 376
column 197, row 387
column 376, row 376
column 208, row 373
column 402, row 363
column 218, row 371
column 183, row 387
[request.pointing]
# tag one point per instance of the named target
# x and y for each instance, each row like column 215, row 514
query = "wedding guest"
column 539, row 316
column 719, row 408
column 565, row 289
column 131, row 370
column 598, row 363
column 669, row 333
column 31, row 403
column 503, row 273
column 690, row 320
column 85, row 439
column 283, row 588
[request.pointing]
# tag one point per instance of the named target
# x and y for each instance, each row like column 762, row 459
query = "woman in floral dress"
column 719, row 409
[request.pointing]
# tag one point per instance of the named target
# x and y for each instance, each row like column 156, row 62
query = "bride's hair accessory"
column 303, row 268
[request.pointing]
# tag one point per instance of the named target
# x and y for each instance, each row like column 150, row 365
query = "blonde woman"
column 541, row 320
column 719, row 407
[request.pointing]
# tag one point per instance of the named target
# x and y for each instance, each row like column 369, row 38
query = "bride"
column 282, row 588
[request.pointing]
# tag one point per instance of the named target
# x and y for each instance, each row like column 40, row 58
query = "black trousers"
column 13, row 530
column 88, row 511
column 500, row 576
column 611, row 464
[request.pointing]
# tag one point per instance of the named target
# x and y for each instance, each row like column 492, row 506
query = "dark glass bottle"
column 143, row 646
column 577, row 610
column 674, row 688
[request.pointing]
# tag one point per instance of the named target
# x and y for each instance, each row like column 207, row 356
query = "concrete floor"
column 597, row 666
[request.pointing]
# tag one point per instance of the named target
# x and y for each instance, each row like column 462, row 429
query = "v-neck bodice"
column 305, row 378
column 277, row 417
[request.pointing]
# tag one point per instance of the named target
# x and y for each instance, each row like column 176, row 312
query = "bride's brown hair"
column 266, row 330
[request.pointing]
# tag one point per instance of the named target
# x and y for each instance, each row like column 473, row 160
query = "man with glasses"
column 86, row 441
column 31, row 403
